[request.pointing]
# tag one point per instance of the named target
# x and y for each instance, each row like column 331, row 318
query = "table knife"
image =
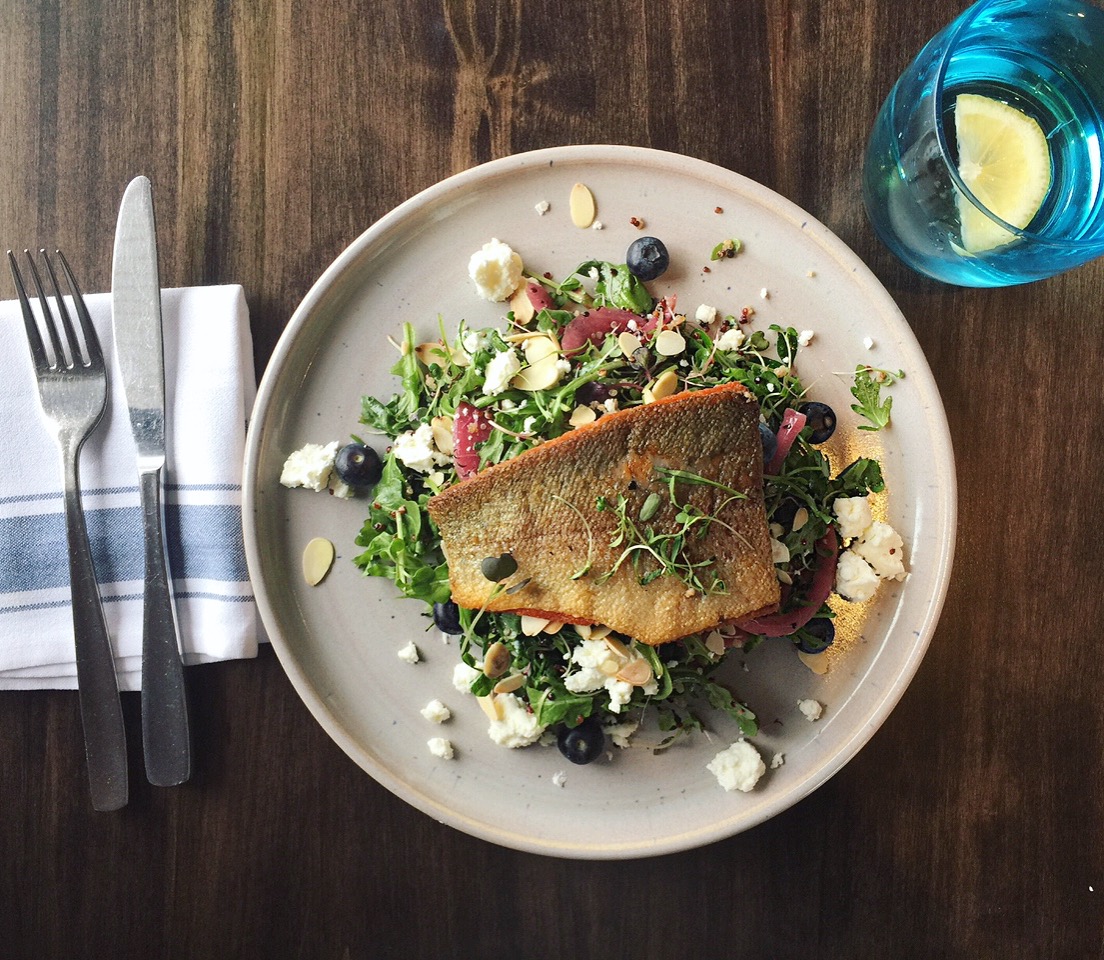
column 136, row 312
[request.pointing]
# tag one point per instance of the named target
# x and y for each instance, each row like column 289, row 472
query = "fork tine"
column 34, row 337
column 63, row 312
column 94, row 355
column 47, row 314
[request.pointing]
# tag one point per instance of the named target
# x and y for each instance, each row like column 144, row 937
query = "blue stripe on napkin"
column 34, row 549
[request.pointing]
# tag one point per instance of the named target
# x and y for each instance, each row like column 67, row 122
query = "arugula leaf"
column 867, row 390
column 617, row 286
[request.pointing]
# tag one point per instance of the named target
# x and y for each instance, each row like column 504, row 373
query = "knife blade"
column 139, row 349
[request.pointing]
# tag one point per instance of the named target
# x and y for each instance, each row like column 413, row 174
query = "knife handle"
column 166, row 738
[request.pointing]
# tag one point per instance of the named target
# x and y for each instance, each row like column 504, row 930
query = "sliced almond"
column 531, row 626
column 510, row 684
column 669, row 343
column 522, row 306
column 583, row 630
column 663, row 386
column 582, row 205
column 318, row 557
column 442, row 434
column 434, row 352
column 817, row 662
column 553, row 628
column 629, row 343
column 599, row 630
column 637, row 672
column 491, row 707
column 610, row 667
column 801, row 517
column 496, row 661
column 543, row 356
column 581, row 416
column 715, row 644
column 617, row 647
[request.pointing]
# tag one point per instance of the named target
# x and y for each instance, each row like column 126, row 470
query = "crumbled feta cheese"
column 705, row 314
column 882, row 547
column 777, row 760
column 730, row 340
column 559, row 778
column 805, row 338
column 473, row 341
column 502, row 368
column 855, row 578
column 853, row 514
column 496, row 270
column 597, row 225
column 417, row 450
column 409, row 653
column 440, row 747
column 610, row 405
column 518, row 727
column 620, row 693
column 868, row 342
column 620, row 733
column 810, row 709
column 464, row 676
column 542, row 207
column 764, row 293
column 339, row 488
column 737, row 768
column 310, row 466
column 436, row 712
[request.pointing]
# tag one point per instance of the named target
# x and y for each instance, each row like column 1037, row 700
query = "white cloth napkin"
column 210, row 390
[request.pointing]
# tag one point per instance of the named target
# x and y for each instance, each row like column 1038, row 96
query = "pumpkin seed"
column 497, row 569
column 651, row 505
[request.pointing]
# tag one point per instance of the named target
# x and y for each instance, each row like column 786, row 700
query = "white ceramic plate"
column 338, row 641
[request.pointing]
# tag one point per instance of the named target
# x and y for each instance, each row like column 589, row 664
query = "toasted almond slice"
column 599, row 630
column 510, row 684
column 629, row 343
column 714, row 643
column 581, row 416
column 553, row 628
column 583, row 630
column 665, row 385
column 434, row 352
column 637, row 672
column 610, row 667
column 491, row 707
column 542, row 353
column 318, row 557
column 800, row 518
column 521, row 304
column 617, row 647
column 817, row 662
column 531, row 626
column 496, row 661
column 442, row 434
column 582, row 205
column 669, row 343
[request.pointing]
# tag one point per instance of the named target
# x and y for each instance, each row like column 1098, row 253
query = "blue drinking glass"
column 1045, row 58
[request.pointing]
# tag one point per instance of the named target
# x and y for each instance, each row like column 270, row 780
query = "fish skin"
column 539, row 506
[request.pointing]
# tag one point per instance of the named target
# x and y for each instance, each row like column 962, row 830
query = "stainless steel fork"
column 72, row 389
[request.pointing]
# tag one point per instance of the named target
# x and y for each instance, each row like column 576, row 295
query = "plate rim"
column 699, row 169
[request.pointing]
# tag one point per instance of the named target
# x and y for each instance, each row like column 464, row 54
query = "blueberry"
column 583, row 743
column 821, row 418
column 647, row 258
column 770, row 442
column 446, row 616
column 817, row 635
column 358, row 465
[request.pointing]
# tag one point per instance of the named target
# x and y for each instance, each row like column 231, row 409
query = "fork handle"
column 166, row 737
column 98, row 686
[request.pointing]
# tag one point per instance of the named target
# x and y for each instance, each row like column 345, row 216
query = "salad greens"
column 449, row 379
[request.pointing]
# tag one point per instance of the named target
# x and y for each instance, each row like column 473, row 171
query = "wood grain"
column 275, row 132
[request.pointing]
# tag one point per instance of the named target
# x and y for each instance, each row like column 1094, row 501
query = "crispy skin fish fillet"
column 540, row 507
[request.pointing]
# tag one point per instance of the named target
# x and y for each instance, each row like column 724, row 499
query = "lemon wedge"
column 1004, row 159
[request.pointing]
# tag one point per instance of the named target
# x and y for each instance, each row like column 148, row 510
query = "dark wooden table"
column 972, row 825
